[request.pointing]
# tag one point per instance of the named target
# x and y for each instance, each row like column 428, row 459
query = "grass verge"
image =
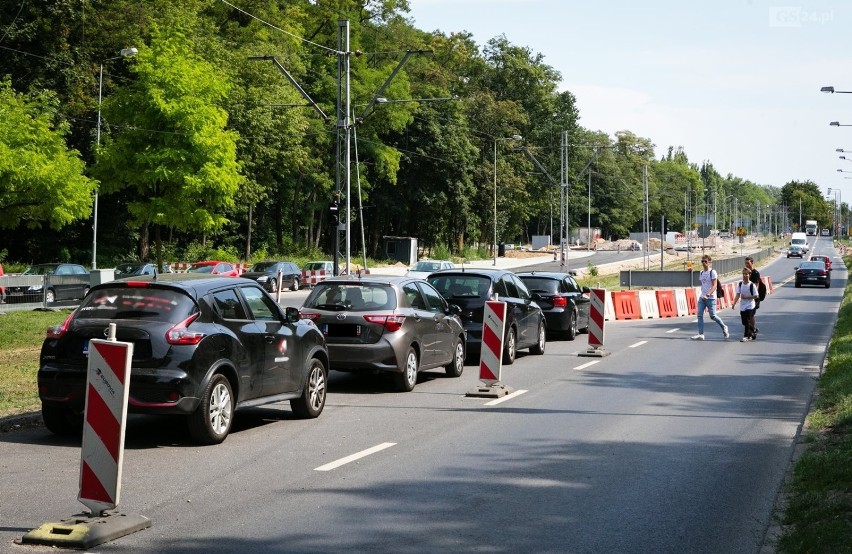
column 818, row 515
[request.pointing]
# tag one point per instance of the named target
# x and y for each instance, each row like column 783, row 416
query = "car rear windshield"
column 137, row 303
column 461, row 286
column 314, row 266
column 540, row 284
column 355, row 297
column 261, row 267
column 812, row 265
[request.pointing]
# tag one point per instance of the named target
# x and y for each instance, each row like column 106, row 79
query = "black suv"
column 266, row 273
column 202, row 347
column 470, row 288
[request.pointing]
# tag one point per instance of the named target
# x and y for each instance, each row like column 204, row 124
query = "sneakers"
column 698, row 337
column 746, row 339
column 725, row 332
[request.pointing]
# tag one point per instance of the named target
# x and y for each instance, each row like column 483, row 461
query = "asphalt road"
column 666, row 445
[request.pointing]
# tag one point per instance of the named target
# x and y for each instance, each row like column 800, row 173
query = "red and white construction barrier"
column 312, row 277
column 491, row 351
column 105, row 420
column 597, row 307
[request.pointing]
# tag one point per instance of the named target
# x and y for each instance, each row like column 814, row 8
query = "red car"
column 825, row 259
column 223, row 269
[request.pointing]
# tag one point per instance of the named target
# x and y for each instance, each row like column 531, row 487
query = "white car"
column 424, row 268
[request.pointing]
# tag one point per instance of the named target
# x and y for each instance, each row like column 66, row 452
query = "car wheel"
column 211, row 421
column 295, row 285
column 510, row 347
column 60, row 420
column 571, row 333
column 406, row 380
column 538, row 348
column 312, row 401
column 456, row 365
column 827, row 285
column 273, row 286
column 50, row 296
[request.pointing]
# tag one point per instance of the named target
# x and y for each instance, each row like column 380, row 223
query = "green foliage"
column 593, row 269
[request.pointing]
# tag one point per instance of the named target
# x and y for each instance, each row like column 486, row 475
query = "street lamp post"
column 125, row 52
column 831, row 90
column 496, row 140
column 838, row 124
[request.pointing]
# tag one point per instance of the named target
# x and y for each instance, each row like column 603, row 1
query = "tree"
column 41, row 181
column 173, row 151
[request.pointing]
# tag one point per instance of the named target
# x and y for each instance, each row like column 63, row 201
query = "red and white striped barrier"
column 491, row 351
column 597, row 308
column 107, row 391
column 312, row 277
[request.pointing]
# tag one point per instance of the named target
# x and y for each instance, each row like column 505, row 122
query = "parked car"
column 318, row 271
column 821, row 258
column 222, row 269
column 424, row 268
column 812, row 273
column 525, row 326
column 203, row 348
column 392, row 324
column 266, row 273
column 133, row 269
column 795, row 251
column 2, row 289
column 565, row 304
column 61, row 281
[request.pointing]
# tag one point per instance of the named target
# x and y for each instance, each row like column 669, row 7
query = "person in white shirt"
column 747, row 291
column 707, row 301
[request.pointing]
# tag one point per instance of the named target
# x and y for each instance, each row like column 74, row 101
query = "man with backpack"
column 707, row 300
column 747, row 291
column 754, row 277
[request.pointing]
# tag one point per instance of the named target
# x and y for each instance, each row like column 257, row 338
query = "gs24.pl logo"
column 796, row 16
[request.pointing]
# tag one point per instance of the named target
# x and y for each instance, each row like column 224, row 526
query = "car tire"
column 312, row 401
column 510, row 347
column 456, row 365
column 60, row 420
column 273, row 286
column 50, row 296
column 541, row 342
column 828, row 285
column 211, row 421
column 571, row 333
column 295, row 286
column 798, row 284
column 406, row 380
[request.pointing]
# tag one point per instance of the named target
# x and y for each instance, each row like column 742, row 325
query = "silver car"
column 399, row 325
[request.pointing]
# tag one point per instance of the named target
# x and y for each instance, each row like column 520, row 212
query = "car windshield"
column 136, row 303
column 356, row 297
column 461, row 286
column 40, row 270
column 812, row 265
column 264, row 267
column 129, row 269
column 540, row 284
column 313, row 266
column 426, row 266
column 202, row 268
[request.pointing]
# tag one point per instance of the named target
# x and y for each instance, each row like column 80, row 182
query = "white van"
column 800, row 239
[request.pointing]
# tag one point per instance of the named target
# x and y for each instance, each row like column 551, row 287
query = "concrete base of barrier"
column 84, row 531
column 494, row 391
column 594, row 353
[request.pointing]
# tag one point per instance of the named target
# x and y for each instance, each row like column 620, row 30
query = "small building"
column 401, row 249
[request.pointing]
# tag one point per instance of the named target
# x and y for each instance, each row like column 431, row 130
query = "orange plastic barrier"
column 626, row 304
column 769, row 288
column 730, row 292
column 691, row 301
column 666, row 303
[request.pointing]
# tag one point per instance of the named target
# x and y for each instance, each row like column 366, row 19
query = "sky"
column 734, row 82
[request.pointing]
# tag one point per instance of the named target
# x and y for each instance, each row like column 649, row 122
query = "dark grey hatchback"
column 202, row 347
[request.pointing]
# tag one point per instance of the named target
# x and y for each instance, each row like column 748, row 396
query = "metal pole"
column 589, row 221
column 98, row 142
column 494, row 244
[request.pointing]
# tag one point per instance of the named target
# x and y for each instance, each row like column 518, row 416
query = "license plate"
column 86, row 348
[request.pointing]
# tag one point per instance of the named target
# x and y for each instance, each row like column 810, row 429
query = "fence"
column 681, row 278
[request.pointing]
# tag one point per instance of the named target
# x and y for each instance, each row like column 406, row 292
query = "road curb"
column 20, row 421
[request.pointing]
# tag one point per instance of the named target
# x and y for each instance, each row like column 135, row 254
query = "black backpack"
column 761, row 290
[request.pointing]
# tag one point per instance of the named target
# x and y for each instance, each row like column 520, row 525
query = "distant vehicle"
column 2, row 290
column 821, row 258
column 203, row 348
column 61, row 282
column 132, row 269
column 811, row 227
column 799, row 239
column 724, row 234
column 398, row 325
column 826, row 232
column 813, row 273
column 311, row 273
column 424, row 268
column 470, row 288
column 565, row 304
column 795, row 251
column 266, row 273
column 222, row 269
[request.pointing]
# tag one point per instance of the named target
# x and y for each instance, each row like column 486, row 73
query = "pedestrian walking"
column 707, row 301
column 747, row 297
column 754, row 277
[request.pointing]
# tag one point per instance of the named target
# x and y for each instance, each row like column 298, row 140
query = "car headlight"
column 35, row 288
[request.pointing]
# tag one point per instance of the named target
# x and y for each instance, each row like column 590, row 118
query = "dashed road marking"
column 505, row 398
column 588, row 364
column 640, row 343
column 354, row 457
column 675, row 330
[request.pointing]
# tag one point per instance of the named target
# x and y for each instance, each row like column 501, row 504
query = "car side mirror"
column 454, row 309
column 587, row 290
column 291, row 314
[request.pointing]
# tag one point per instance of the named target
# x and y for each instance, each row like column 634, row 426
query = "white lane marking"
column 356, row 456
column 588, row 364
column 505, row 398
column 675, row 330
column 640, row 343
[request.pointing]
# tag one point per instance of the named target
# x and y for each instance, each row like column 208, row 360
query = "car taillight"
column 56, row 331
column 560, row 301
column 309, row 315
column 179, row 334
column 390, row 322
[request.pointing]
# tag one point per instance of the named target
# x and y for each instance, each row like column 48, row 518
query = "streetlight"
column 843, row 171
column 838, row 124
column 837, row 199
column 832, row 91
column 125, row 52
column 496, row 140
